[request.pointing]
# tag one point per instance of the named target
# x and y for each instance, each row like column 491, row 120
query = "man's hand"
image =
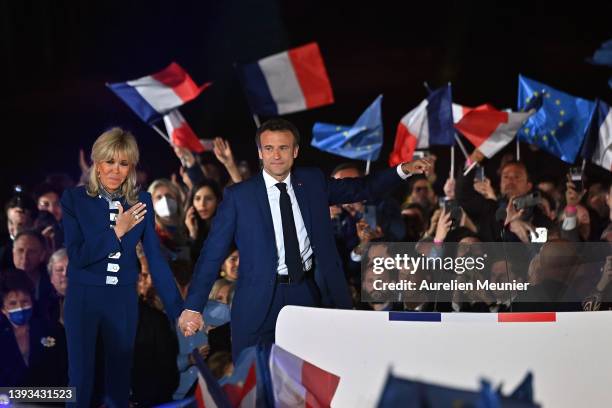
column 185, row 156
column 190, row 322
column 420, row 166
column 485, row 189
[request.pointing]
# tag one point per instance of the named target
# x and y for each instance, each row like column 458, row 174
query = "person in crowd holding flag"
column 103, row 267
column 280, row 222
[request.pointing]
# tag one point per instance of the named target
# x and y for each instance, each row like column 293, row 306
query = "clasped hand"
column 190, row 322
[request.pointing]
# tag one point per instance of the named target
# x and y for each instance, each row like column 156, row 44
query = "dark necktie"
column 293, row 259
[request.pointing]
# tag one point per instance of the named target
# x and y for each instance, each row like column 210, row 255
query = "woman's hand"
column 191, row 222
column 444, row 225
column 127, row 220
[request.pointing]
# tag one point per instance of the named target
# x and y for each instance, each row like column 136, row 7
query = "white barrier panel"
column 570, row 354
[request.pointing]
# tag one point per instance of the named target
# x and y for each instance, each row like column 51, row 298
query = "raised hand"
column 185, row 156
column 419, row 166
column 222, row 151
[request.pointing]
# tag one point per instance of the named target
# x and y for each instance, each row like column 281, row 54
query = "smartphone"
column 452, row 207
column 540, row 235
column 576, row 177
column 480, row 173
column 370, row 216
column 527, row 200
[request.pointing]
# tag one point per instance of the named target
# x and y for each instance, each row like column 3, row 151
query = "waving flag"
column 401, row 392
column 603, row 56
column 361, row 141
column 598, row 146
column 297, row 383
column 152, row 96
column 560, row 125
column 290, row 81
column 429, row 124
column 181, row 133
column 489, row 129
column 208, row 393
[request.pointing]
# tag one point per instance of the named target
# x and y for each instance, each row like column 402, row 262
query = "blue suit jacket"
column 89, row 241
column 244, row 217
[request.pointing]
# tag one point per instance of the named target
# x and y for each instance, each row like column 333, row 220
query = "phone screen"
column 370, row 216
column 576, row 177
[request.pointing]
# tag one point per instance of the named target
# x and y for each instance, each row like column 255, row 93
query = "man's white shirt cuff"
column 401, row 173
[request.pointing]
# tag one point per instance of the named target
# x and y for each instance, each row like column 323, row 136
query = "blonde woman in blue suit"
column 103, row 222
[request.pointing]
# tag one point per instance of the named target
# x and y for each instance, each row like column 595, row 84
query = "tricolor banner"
column 487, row 128
column 180, row 132
column 298, row 383
column 152, row 96
column 290, row 81
column 429, row 124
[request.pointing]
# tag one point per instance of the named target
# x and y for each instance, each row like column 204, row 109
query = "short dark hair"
column 517, row 164
column 277, row 125
column 15, row 280
column 34, row 234
column 45, row 188
column 345, row 166
column 23, row 201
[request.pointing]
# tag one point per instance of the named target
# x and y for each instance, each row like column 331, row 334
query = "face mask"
column 165, row 207
column 216, row 313
column 20, row 316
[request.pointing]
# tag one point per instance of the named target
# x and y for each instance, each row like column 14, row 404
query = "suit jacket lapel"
column 264, row 206
column 302, row 199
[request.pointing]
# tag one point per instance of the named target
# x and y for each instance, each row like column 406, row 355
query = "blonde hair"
column 176, row 191
column 106, row 147
column 220, row 284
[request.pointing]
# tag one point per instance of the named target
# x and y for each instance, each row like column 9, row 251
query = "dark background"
column 57, row 55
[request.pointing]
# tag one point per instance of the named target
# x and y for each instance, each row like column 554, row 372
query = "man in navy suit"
column 279, row 220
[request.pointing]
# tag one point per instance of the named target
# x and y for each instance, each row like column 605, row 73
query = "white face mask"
column 165, row 207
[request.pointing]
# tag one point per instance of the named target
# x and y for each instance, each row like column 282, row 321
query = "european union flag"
column 559, row 125
column 362, row 141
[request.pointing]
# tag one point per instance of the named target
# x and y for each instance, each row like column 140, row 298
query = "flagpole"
column 256, row 120
column 467, row 171
column 518, row 149
column 162, row 134
column 452, row 164
column 462, row 146
column 367, row 170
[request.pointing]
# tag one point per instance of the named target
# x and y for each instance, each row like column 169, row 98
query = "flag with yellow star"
column 361, row 141
column 561, row 122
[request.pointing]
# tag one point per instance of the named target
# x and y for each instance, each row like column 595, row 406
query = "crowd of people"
column 469, row 209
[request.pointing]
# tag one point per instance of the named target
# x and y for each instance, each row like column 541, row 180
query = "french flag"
column 152, row 96
column 290, row 81
column 598, row 146
column 487, row 128
column 208, row 393
column 181, row 133
column 297, row 383
column 429, row 124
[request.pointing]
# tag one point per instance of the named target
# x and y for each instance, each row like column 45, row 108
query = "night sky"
column 57, row 56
